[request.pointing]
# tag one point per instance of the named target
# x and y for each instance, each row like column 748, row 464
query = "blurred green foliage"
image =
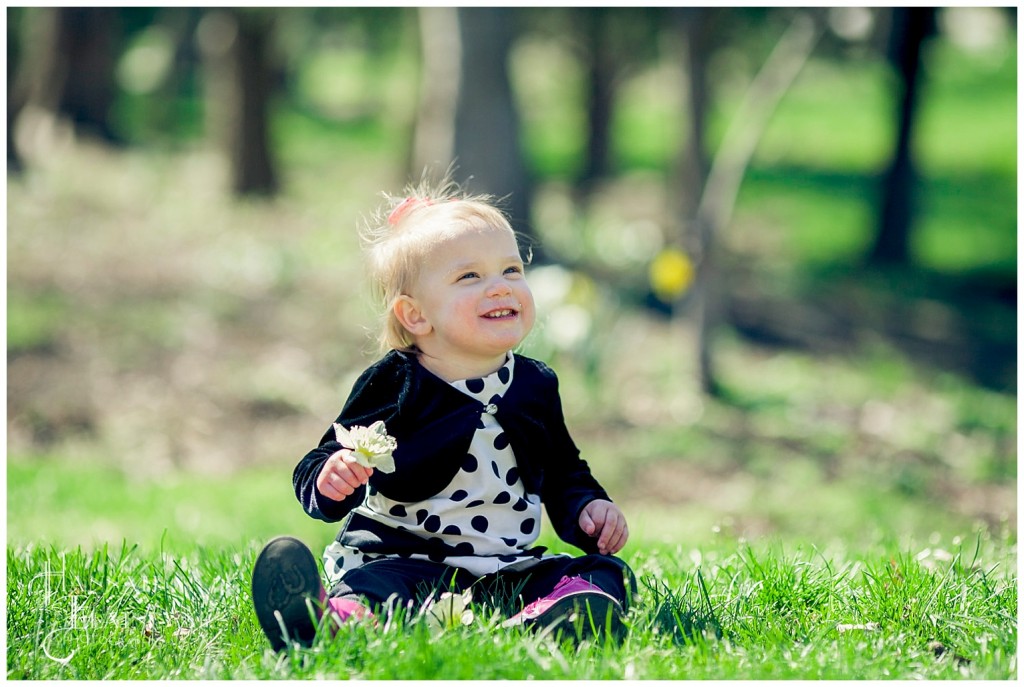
column 33, row 322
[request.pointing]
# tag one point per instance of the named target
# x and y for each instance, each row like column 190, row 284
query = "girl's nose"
column 499, row 287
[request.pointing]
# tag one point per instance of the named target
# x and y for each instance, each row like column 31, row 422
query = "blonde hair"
column 401, row 233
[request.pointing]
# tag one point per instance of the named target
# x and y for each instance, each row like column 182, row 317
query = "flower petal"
column 385, row 464
column 343, row 436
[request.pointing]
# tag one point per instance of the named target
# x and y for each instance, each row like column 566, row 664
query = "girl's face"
column 470, row 303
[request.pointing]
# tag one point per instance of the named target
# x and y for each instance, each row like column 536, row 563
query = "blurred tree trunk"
column 466, row 56
column 236, row 45
column 434, row 135
column 16, row 87
column 600, row 93
column 487, row 141
column 695, row 26
column 85, row 55
column 69, row 66
column 910, row 27
column 718, row 196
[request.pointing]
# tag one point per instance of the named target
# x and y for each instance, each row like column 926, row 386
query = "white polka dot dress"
column 485, row 511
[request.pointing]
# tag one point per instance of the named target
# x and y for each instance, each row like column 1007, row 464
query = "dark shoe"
column 287, row 592
column 576, row 606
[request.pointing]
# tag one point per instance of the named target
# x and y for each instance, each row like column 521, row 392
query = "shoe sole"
column 583, row 616
column 285, row 592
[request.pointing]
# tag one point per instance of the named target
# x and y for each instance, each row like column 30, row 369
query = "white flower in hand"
column 371, row 446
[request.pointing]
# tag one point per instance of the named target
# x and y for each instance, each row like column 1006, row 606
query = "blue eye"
column 514, row 270
column 468, row 275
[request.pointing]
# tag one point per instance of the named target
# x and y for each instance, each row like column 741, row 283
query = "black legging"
column 405, row 580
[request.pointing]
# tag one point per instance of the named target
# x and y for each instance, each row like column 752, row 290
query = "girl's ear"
column 411, row 316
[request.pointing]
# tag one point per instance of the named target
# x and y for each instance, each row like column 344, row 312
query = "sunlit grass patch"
column 717, row 612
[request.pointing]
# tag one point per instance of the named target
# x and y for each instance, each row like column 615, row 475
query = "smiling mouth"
column 499, row 314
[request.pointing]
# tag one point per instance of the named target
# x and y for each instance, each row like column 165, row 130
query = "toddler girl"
column 481, row 445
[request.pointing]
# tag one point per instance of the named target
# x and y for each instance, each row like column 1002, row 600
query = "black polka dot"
column 495, row 399
column 474, row 504
column 371, row 490
column 494, row 467
column 520, row 505
column 432, row 524
column 527, row 526
column 475, row 385
column 435, row 553
column 452, row 529
column 367, row 558
column 509, row 540
column 479, row 523
column 459, row 495
column 469, row 463
column 503, row 497
column 504, row 374
column 398, row 511
column 512, row 476
column 501, row 441
column 507, row 559
column 421, row 515
column 464, row 549
column 404, row 554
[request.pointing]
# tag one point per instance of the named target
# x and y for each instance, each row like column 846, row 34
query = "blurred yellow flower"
column 671, row 274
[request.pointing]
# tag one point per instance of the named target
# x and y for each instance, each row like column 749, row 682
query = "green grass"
column 147, row 578
column 725, row 610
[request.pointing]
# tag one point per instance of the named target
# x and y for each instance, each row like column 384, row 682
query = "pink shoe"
column 343, row 610
column 574, row 602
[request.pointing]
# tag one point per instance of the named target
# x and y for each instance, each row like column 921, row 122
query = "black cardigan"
column 434, row 423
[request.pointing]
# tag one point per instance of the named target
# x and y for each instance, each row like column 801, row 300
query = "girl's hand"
column 604, row 520
column 341, row 475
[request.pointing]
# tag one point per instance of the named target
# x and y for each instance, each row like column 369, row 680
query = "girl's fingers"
column 341, row 478
column 615, row 529
column 344, row 483
column 620, row 540
column 587, row 523
column 354, row 478
column 361, row 473
column 607, row 534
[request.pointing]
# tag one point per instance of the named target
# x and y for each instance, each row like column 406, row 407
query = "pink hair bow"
column 405, row 206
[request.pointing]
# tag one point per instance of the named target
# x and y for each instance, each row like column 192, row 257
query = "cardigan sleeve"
column 313, row 501
column 568, row 485
column 373, row 397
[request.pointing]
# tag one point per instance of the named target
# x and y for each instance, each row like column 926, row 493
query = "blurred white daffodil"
column 448, row 611
column 371, row 446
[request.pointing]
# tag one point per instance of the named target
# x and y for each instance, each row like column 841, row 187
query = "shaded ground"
column 966, row 324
